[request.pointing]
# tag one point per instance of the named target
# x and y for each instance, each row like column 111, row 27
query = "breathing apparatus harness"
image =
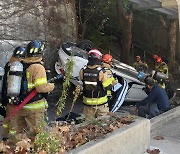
column 27, row 99
column 19, row 89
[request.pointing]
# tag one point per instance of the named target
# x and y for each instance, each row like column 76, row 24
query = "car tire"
column 86, row 45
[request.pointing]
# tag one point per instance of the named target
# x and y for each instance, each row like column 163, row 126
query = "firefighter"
column 106, row 64
column 139, row 65
column 161, row 67
column 31, row 116
column 9, row 128
column 95, row 86
column 155, row 57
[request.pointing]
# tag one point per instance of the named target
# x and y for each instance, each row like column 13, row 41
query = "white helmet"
column 94, row 53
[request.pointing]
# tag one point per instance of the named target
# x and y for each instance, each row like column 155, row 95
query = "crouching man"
column 155, row 103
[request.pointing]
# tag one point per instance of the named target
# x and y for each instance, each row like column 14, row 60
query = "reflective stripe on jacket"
column 109, row 82
column 36, row 78
column 95, row 101
column 5, row 125
column 37, row 105
column 11, row 130
column 93, row 79
column 162, row 67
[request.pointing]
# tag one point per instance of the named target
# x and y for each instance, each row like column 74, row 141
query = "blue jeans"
column 150, row 110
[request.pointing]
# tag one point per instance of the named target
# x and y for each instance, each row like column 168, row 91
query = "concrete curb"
column 130, row 139
column 161, row 120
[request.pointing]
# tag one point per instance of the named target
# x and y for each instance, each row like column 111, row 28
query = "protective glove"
column 115, row 82
column 114, row 75
column 59, row 76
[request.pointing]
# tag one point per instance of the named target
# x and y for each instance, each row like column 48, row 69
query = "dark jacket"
column 157, row 95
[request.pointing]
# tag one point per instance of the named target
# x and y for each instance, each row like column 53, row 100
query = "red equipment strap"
column 24, row 102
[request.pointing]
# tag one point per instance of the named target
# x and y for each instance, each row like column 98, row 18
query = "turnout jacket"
column 111, row 80
column 139, row 64
column 36, row 78
column 95, row 85
column 162, row 67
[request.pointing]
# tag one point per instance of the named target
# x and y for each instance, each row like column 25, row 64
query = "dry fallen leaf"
column 127, row 120
column 23, row 146
column 111, row 114
column 112, row 127
column 153, row 151
column 62, row 151
column 159, row 137
column 72, row 136
column 21, row 136
column 4, row 148
column 42, row 152
column 64, row 128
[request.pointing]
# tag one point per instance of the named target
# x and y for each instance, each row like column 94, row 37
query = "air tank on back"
column 14, row 79
column 159, row 76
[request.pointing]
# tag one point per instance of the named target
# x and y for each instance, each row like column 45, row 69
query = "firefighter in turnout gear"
column 31, row 116
column 9, row 128
column 161, row 67
column 139, row 65
column 95, row 86
column 155, row 57
column 106, row 64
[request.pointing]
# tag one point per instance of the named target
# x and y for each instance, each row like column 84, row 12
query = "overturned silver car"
column 131, row 89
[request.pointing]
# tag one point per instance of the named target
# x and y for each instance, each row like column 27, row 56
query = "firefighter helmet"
column 94, row 53
column 35, row 48
column 159, row 60
column 107, row 58
column 19, row 52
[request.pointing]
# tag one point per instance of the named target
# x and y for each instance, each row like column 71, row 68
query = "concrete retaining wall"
column 161, row 120
column 131, row 139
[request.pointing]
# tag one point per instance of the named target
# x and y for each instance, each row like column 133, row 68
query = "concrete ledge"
column 130, row 139
column 162, row 119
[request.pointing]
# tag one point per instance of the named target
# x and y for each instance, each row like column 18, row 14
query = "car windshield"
column 71, row 50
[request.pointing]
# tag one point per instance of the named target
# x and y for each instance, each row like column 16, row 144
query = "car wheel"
column 86, row 45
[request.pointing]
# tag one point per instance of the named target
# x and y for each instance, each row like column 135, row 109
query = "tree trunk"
column 83, row 30
column 125, row 23
column 51, row 21
column 172, row 44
